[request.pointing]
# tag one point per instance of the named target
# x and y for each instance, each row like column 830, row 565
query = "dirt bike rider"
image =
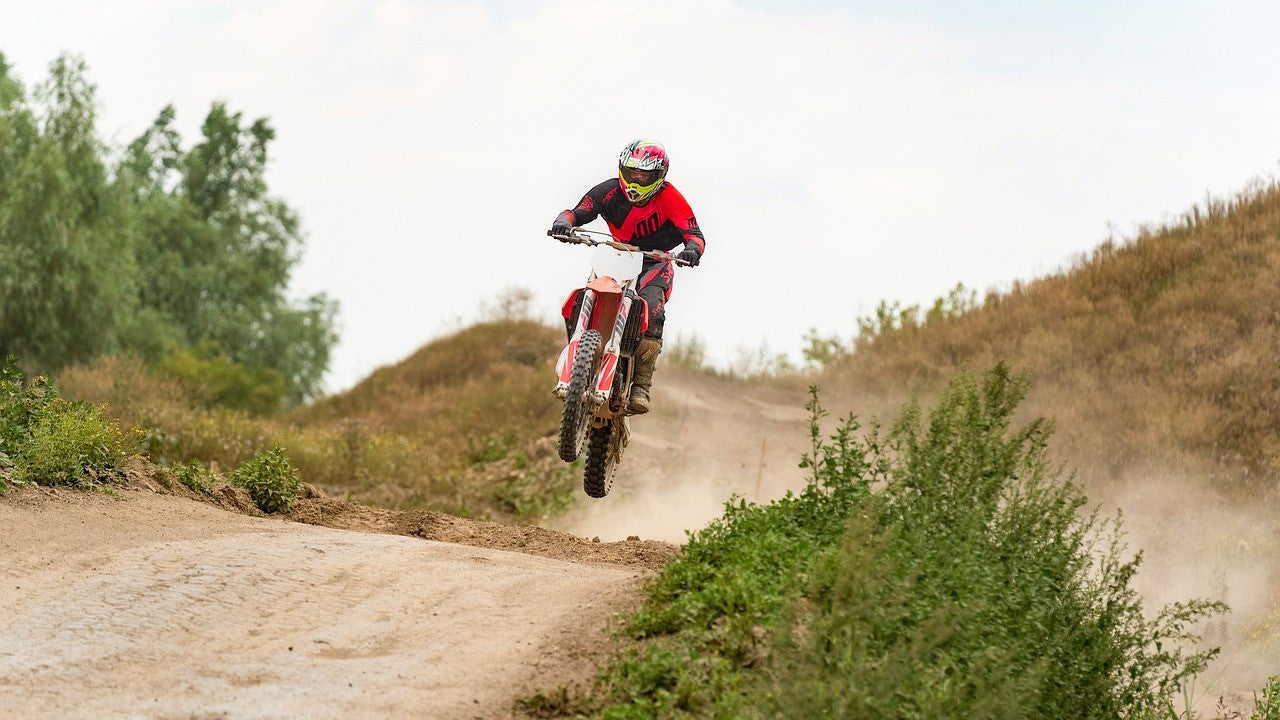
column 641, row 208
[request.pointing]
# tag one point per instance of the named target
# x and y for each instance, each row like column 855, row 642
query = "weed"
column 271, row 480
column 194, row 475
column 216, row 380
column 706, row 612
column 977, row 584
column 1267, row 705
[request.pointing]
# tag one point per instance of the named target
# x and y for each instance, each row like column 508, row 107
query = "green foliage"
column 195, row 475
column 1267, row 705
column 709, row 608
column 270, row 479
column 975, row 585
column 170, row 247
column 217, row 249
column 68, row 283
column 50, row 441
column 889, row 318
column 21, row 404
column 970, row 582
column 349, row 454
column 492, row 447
column 820, row 351
column 71, row 444
column 893, row 317
column 217, row 380
column 396, row 441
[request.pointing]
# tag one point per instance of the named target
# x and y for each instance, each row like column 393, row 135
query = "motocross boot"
column 646, row 360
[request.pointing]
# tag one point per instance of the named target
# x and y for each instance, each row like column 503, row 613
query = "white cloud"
column 833, row 159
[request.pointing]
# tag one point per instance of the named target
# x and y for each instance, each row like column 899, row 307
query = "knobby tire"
column 577, row 414
column 597, row 480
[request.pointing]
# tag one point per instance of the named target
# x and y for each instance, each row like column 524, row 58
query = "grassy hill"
column 1164, row 344
column 463, row 426
column 477, row 409
column 485, row 385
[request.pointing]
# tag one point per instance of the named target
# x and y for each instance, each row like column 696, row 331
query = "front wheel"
column 574, row 419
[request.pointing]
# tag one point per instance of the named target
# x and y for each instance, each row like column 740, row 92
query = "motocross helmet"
column 642, row 168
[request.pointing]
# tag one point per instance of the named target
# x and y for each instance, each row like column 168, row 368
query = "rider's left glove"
column 690, row 256
column 561, row 227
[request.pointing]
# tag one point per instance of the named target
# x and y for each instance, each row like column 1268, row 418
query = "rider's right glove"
column 561, row 226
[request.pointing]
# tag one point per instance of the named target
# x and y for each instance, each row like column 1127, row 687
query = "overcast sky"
column 836, row 153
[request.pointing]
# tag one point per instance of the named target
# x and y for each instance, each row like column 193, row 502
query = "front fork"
column 599, row 393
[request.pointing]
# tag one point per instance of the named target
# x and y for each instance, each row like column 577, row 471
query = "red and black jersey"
column 661, row 223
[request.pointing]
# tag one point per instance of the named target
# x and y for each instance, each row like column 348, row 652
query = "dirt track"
column 161, row 607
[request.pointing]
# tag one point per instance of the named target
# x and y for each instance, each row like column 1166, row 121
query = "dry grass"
column 1168, row 340
column 485, row 383
column 459, row 426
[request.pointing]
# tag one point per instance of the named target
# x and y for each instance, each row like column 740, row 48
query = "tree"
column 216, row 249
column 162, row 253
column 67, row 280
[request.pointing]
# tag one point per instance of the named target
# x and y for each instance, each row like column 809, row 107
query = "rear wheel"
column 577, row 413
column 603, row 450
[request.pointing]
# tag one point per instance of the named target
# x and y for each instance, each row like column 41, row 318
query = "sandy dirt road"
column 149, row 606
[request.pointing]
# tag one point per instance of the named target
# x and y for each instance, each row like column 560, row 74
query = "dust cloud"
column 1197, row 542
column 705, row 441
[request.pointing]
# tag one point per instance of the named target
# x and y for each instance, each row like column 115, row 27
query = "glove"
column 691, row 256
column 561, row 227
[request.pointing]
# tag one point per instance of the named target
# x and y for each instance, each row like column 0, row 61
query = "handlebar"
column 580, row 236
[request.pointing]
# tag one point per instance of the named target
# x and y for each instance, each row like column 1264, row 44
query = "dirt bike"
column 595, row 368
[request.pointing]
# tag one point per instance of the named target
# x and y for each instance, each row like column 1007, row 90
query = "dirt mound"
column 316, row 508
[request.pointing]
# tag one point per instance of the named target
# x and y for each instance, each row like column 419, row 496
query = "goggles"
column 643, row 178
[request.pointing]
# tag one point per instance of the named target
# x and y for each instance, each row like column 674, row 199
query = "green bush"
column 977, row 584
column 941, row 569
column 70, row 444
column 270, row 479
column 50, row 441
column 194, row 475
